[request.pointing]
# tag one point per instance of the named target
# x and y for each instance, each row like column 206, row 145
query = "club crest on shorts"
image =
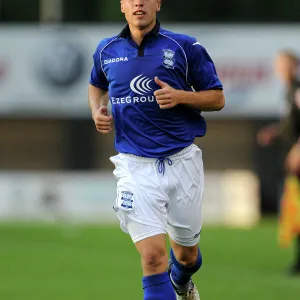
column 169, row 59
column 127, row 200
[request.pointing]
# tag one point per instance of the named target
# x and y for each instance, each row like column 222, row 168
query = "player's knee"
column 188, row 256
column 154, row 259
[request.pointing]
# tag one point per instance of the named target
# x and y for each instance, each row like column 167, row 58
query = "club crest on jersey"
column 127, row 200
column 169, row 59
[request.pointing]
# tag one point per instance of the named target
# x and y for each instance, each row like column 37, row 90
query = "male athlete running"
column 158, row 82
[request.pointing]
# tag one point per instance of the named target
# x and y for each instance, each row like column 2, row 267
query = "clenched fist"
column 166, row 97
column 102, row 120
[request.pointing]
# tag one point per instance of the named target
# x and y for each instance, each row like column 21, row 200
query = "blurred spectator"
column 288, row 130
column 286, row 67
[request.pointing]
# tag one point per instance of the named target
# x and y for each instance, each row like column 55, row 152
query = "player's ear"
column 122, row 7
column 158, row 5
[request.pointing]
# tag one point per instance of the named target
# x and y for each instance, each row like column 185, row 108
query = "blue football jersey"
column 127, row 71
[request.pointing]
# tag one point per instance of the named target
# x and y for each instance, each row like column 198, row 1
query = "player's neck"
column 137, row 34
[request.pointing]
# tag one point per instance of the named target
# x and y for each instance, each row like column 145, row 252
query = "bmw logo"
column 62, row 64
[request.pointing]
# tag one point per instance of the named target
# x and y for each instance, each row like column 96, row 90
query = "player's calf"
column 184, row 267
column 186, row 256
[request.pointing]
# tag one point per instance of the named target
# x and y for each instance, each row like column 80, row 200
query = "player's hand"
column 167, row 97
column 266, row 135
column 102, row 120
column 292, row 161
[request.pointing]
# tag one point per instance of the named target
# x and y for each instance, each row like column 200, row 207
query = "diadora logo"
column 115, row 60
column 140, row 85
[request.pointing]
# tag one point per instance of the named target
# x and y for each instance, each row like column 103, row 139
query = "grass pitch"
column 57, row 262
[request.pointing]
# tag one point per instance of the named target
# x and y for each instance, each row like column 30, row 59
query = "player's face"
column 140, row 13
column 285, row 69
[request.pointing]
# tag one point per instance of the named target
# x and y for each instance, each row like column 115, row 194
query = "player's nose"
column 139, row 3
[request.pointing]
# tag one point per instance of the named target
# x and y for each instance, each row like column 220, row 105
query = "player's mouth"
column 139, row 13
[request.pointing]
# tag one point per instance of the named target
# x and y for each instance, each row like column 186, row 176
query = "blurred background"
column 59, row 237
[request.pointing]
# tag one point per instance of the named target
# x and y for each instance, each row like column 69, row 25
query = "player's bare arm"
column 98, row 100
column 168, row 97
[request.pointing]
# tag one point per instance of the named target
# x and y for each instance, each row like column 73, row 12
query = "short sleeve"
column 202, row 72
column 98, row 78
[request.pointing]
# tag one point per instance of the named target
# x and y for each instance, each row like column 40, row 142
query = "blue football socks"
column 158, row 287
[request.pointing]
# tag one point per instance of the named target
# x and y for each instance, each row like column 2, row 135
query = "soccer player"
column 288, row 130
column 158, row 82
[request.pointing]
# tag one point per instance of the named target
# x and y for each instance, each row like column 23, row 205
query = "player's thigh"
column 140, row 203
column 185, row 207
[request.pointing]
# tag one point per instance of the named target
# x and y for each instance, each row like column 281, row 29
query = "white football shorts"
column 160, row 196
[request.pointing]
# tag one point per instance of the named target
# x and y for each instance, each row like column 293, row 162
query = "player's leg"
column 141, row 208
column 186, row 261
column 184, row 223
column 154, row 258
column 150, row 242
